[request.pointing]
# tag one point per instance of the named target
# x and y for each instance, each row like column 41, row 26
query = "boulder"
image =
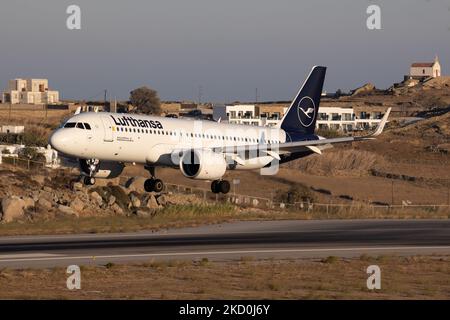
column 67, row 210
column 38, row 178
column 107, row 182
column 111, row 200
column 368, row 87
column 47, row 189
column 63, row 198
column 121, row 196
column 117, row 209
column 12, row 208
column 45, row 195
column 134, row 198
column 29, row 202
column 162, row 200
column 44, row 203
column 150, row 202
column 77, row 186
column 136, row 184
column 97, row 198
column 77, row 205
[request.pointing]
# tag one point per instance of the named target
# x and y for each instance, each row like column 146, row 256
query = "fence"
column 326, row 208
column 22, row 162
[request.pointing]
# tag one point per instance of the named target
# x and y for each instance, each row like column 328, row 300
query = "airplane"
column 105, row 142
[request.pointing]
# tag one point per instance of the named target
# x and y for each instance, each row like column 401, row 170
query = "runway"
column 259, row 240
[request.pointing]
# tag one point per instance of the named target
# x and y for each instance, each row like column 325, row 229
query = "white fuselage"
column 154, row 140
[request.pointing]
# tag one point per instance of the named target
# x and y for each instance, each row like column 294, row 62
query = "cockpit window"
column 70, row 125
column 87, row 126
column 80, row 125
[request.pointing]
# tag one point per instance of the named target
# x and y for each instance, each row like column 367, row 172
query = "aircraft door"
column 108, row 128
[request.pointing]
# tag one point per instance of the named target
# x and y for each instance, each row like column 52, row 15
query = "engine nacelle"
column 203, row 165
column 104, row 170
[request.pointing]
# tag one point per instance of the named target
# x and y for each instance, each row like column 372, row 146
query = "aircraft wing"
column 314, row 145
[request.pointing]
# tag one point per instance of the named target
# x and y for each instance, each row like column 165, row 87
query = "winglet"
column 382, row 123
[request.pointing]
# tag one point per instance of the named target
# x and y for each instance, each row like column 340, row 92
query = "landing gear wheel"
column 158, row 185
column 215, row 186
column 89, row 181
column 149, row 185
column 155, row 185
column 220, row 186
column 224, row 186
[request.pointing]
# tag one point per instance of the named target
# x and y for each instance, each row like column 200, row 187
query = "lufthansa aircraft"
column 104, row 142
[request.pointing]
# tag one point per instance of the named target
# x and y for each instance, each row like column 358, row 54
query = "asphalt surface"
column 260, row 240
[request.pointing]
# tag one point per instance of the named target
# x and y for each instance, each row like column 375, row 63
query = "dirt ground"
column 365, row 189
column 421, row 277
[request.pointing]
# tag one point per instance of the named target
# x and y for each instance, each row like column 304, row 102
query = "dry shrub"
column 340, row 162
column 35, row 136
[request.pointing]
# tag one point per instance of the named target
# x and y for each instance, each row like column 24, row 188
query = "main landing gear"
column 153, row 184
column 220, row 186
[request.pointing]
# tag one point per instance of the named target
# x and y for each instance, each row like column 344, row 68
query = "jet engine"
column 203, row 165
column 102, row 169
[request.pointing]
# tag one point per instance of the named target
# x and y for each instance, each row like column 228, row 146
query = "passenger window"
column 80, row 125
column 87, row 126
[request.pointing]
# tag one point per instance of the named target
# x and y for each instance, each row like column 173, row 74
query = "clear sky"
column 229, row 48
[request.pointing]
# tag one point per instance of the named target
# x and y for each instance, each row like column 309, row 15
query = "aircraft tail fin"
column 302, row 113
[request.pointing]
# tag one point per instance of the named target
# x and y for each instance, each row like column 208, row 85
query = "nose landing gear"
column 220, row 186
column 89, row 181
column 89, row 166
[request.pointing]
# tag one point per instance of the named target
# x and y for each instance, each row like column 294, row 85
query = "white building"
column 346, row 119
column 29, row 91
column 423, row 70
column 333, row 118
column 248, row 114
column 12, row 129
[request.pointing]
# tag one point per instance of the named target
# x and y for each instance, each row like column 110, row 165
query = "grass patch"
column 330, row 259
column 421, row 277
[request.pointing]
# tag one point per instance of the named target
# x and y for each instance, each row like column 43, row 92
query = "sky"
column 228, row 48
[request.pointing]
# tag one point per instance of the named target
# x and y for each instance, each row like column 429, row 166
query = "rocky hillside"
column 45, row 197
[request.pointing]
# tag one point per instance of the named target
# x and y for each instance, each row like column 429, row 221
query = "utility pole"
column 256, row 95
column 392, row 193
column 106, row 91
column 10, row 107
column 200, row 92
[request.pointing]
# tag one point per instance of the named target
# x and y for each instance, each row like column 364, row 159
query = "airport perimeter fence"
column 331, row 209
column 23, row 162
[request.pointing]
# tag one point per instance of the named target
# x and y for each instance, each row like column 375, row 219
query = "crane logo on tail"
column 306, row 111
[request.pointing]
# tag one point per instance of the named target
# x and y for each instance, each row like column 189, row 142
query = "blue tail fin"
column 302, row 114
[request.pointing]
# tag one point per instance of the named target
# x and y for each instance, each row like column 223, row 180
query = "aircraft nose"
column 58, row 141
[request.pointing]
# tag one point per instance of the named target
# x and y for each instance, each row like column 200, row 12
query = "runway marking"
column 143, row 255
column 27, row 255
